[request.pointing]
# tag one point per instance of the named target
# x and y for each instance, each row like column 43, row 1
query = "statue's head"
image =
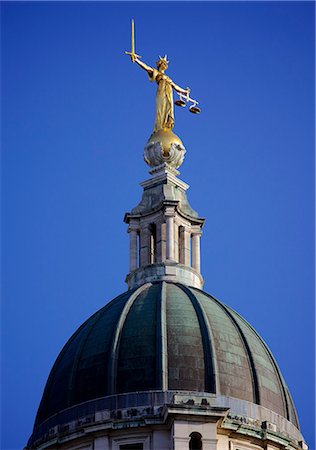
column 162, row 63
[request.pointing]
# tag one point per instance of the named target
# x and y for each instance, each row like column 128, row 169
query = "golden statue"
column 164, row 97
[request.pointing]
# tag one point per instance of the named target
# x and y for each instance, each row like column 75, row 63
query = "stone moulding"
column 165, row 271
column 156, row 407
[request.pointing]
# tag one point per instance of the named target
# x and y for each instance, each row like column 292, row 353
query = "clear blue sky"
column 76, row 115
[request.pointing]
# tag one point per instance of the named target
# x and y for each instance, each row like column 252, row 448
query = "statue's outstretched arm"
column 144, row 66
column 180, row 89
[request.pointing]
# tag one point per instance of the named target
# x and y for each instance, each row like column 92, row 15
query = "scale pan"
column 194, row 110
column 180, row 103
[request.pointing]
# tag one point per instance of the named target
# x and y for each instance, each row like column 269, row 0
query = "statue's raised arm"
column 144, row 66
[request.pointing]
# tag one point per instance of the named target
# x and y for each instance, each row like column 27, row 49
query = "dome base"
column 166, row 271
column 143, row 409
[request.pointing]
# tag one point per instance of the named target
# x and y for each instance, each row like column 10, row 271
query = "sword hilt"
column 133, row 56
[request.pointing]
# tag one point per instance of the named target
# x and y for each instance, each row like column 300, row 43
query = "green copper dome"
column 164, row 337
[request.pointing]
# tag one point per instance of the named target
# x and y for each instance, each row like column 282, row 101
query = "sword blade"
column 133, row 37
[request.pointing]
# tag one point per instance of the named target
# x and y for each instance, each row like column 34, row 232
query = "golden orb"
column 166, row 138
column 164, row 146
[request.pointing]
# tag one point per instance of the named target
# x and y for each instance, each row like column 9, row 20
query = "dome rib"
column 186, row 356
column 212, row 345
column 112, row 368
column 293, row 415
column 161, row 339
column 45, row 404
column 45, row 400
column 210, row 382
column 73, row 373
column 287, row 400
column 255, row 381
column 138, row 344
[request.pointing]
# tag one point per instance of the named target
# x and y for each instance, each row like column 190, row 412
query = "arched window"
column 181, row 244
column 138, row 249
column 195, row 441
column 153, row 243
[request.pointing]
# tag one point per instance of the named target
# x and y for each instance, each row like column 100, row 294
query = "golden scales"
column 183, row 101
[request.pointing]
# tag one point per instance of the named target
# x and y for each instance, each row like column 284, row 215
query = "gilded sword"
column 132, row 53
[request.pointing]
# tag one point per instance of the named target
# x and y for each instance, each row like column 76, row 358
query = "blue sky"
column 75, row 117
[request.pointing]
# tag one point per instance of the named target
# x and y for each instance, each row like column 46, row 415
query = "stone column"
column 169, row 236
column 187, row 247
column 133, row 250
column 163, row 242
column 196, row 253
column 144, row 246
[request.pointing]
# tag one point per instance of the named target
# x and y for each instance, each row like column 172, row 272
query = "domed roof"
column 165, row 336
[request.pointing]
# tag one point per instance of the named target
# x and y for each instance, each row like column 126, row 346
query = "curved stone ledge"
column 142, row 408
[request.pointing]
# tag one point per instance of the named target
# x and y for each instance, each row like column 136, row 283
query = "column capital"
column 170, row 206
column 132, row 223
column 132, row 228
column 170, row 212
column 196, row 230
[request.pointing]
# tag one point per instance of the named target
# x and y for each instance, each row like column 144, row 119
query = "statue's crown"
column 164, row 59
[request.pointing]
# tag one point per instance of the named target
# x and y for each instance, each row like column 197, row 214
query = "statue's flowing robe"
column 164, row 101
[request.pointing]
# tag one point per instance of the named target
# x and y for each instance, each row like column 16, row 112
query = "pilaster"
column 133, row 250
column 144, row 245
column 183, row 429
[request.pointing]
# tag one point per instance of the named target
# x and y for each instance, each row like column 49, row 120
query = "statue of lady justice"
column 164, row 97
column 162, row 135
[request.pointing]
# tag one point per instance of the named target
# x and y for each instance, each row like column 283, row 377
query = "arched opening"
column 138, row 249
column 153, row 243
column 195, row 441
column 181, row 244
column 191, row 247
